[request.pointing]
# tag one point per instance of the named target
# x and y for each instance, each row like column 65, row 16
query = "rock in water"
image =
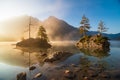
column 21, row 76
column 67, row 71
column 85, row 78
column 59, row 55
column 32, row 68
column 69, row 74
column 37, row 75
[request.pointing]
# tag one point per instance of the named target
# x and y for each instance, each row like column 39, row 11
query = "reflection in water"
column 38, row 54
column 96, row 52
column 41, row 54
column 14, row 61
column 31, row 51
column 83, row 62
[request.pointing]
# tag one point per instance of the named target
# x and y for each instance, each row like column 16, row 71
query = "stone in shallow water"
column 85, row 78
column 92, row 73
column 73, row 65
column 104, row 75
column 37, row 75
column 57, row 56
column 21, row 76
column 115, row 74
column 77, row 69
column 69, row 74
column 32, row 68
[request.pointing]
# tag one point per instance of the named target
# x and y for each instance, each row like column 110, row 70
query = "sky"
column 69, row 10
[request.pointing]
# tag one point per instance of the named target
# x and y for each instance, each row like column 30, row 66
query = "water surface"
column 14, row 61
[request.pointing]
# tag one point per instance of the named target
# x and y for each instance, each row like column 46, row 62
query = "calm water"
column 14, row 61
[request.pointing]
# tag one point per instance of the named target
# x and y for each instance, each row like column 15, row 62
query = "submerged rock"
column 57, row 56
column 104, row 75
column 115, row 74
column 69, row 74
column 92, row 73
column 21, row 76
column 32, row 68
column 85, row 78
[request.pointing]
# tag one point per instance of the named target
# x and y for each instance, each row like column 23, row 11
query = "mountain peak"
column 52, row 17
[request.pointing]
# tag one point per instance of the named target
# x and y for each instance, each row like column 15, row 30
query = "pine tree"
column 85, row 26
column 101, row 27
column 42, row 33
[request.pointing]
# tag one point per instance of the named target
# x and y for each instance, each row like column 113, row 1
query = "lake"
column 14, row 61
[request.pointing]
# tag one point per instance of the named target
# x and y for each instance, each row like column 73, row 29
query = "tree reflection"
column 33, row 56
column 36, row 54
column 96, row 52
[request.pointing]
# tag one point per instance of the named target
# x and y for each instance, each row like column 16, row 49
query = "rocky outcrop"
column 57, row 56
column 32, row 67
column 93, row 42
column 35, row 43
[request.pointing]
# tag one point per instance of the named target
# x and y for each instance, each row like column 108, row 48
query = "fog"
column 17, row 28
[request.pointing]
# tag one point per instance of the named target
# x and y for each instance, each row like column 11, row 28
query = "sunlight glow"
column 10, row 11
column 38, row 8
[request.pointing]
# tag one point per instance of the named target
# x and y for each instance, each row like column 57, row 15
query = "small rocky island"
column 34, row 42
column 93, row 42
column 40, row 42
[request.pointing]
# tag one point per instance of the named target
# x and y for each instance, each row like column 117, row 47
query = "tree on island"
column 101, row 27
column 85, row 26
column 42, row 33
column 40, row 42
column 94, row 41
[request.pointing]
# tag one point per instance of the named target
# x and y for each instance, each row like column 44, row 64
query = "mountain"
column 56, row 29
column 59, row 30
column 113, row 36
column 110, row 36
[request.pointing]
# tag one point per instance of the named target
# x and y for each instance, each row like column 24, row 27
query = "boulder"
column 32, row 68
column 57, row 56
column 21, row 76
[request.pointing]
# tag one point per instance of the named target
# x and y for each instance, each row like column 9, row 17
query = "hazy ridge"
column 57, row 29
